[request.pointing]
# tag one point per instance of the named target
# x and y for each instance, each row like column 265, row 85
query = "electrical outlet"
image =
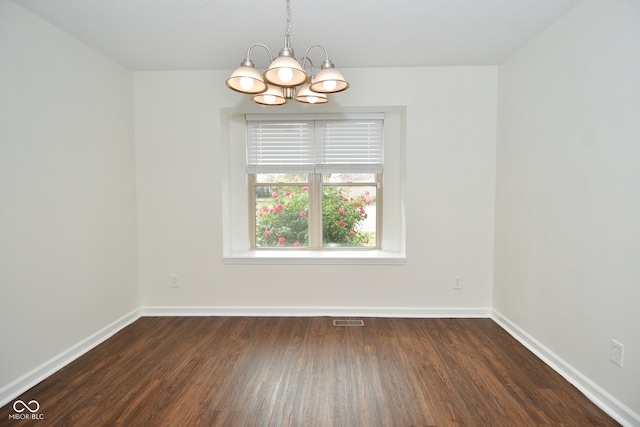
column 174, row 281
column 616, row 354
column 457, row 282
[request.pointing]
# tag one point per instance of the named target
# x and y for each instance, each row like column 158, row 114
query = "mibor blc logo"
column 26, row 411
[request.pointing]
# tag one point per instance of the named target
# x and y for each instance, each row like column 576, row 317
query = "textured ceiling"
column 215, row 34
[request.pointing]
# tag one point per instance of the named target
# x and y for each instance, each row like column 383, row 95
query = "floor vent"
column 348, row 323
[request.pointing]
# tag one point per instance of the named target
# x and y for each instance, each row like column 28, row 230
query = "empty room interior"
column 505, row 196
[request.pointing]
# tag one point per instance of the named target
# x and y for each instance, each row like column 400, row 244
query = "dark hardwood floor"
column 240, row 371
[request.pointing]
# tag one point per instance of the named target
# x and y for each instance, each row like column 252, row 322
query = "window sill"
column 341, row 257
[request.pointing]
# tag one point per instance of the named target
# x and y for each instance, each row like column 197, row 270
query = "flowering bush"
column 283, row 221
column 342, row 216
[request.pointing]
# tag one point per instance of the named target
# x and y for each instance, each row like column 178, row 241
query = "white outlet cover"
column 616, row 354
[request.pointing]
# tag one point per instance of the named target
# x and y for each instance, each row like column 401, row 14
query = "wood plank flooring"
column 241, row 371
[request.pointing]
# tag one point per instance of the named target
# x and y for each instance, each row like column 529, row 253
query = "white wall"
column 567, row 246
column 68, row 255
column 450, row 167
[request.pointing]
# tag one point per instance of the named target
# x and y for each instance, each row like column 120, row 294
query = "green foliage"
column 282, row 219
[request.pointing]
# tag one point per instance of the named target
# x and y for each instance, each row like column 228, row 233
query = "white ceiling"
column 215, row 34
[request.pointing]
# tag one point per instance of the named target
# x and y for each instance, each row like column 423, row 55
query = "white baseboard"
column 318, row 311
column 33, row 377
column 613, row 407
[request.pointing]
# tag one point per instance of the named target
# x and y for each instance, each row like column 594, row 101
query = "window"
column 315, row 211
column 240, row 244
column 315, row 183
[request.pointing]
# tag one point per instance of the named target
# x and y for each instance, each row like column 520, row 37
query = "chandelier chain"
column 288, row 35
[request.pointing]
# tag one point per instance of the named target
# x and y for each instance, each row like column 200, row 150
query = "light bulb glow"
column 312, row 99
column 246, row 83
column 285, row 74
column 329, row 84
column 269, row 99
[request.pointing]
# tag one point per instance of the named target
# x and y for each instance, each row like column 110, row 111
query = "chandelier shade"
column 285, row 71
column 246, row 79
column 272, row 96
column 329, row 80
column 281, row 79
column 305, row 94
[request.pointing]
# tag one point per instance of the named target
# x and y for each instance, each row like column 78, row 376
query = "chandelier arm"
column 261, row 45
column 306, row 54
column 304, row 62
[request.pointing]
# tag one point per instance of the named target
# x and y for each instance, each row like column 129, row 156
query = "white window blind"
column 348, row 146
column 280, row 146
column 322, row 144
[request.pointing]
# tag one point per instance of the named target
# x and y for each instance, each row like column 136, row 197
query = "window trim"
column 235, row 229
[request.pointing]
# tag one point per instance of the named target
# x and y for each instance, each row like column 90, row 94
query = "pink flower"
column 266, row 233
column 303, row 213
column 305, row 188
column 274, row 195
column 341, row 223
column 296, row 243
column 278, row 207
column 281, row 239
column 362, row 211
column 288, row 193
column 351, row 233
column 366, row 192
column 341, row 211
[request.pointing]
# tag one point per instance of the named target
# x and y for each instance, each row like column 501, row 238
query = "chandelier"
column 280, row 81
